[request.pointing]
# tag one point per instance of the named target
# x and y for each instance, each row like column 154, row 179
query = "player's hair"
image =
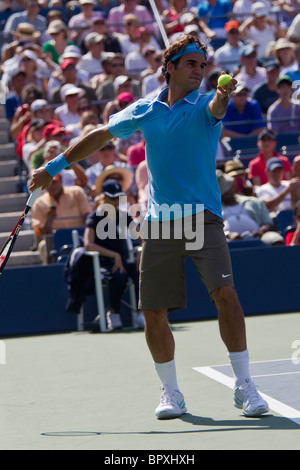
column 174, row 49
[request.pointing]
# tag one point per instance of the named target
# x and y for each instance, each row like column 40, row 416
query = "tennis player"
column 181, row 128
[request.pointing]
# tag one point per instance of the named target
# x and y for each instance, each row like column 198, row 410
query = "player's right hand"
column 40, row 178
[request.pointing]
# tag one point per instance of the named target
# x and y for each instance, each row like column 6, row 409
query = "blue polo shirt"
column 181, row 147
column 251, row 112
column 215, row 15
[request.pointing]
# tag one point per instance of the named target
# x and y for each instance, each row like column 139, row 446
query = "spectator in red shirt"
column 266, row 143
column 293, row 238
column 136, row 153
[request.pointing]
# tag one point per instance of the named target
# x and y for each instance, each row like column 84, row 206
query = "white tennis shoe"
column 172, row 404
column 247, row 398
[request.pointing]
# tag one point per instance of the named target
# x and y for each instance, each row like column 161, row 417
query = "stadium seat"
column 63, row 243
column 250, row 243
column 100, row 285
column 287, row 139
column 216, row 43
column 283, row 219
column 243, row 143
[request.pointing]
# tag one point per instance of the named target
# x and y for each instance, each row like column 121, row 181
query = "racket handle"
column 33, row 196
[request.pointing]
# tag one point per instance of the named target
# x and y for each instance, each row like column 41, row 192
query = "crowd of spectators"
column 66, row 66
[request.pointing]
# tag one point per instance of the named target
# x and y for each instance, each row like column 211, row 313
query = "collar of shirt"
column 191, row 98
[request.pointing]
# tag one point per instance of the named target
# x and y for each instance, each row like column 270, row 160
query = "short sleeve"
column 125, row 122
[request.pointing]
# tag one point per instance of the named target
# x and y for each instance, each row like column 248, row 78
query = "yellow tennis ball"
column 223, row 79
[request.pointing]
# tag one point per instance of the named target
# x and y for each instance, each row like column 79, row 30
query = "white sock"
column 167, row 373
column 240, row 364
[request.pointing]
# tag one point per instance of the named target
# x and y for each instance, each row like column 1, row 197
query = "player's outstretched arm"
column 96, row 139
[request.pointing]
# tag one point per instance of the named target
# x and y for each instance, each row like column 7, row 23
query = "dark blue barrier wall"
column 267, row 280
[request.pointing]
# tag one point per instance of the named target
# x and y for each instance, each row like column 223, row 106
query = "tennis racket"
column 9, row 244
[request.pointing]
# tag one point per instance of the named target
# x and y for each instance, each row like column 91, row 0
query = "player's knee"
column 226, row 297
column 155, row 317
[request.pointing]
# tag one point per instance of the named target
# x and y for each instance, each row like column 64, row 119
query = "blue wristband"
column 58, row 163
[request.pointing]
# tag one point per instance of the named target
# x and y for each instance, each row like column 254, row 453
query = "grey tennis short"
column 162, row 275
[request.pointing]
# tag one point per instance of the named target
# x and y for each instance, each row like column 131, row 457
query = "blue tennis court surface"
column 278, row 381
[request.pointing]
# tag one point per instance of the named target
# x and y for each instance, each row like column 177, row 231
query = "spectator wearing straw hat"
column 294, row 70
column 237, row 171
column 27, row 32
column 56, row 46
column 283, row 51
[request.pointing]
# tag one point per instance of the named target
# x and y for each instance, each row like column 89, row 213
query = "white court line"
column 273, row 375
column 275, row 405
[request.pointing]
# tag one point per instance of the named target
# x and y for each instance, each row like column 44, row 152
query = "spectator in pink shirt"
column 136, row 153
column 116, row 16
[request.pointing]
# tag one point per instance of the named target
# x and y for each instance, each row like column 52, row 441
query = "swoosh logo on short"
column 226, row 275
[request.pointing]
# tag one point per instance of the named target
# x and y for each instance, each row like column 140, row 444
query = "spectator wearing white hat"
column 259, row 28
column 242, row 8
column 28, row 63
column 91, row 61
column 81, row 24
column 68, row 112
